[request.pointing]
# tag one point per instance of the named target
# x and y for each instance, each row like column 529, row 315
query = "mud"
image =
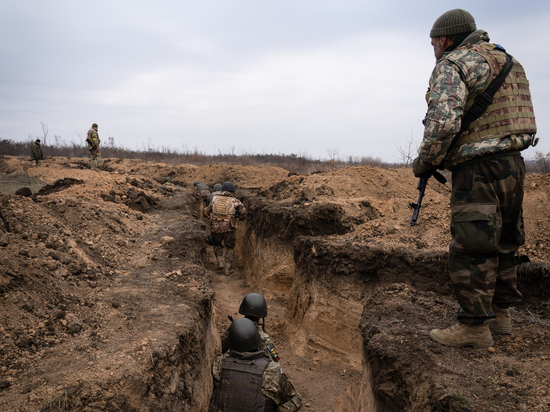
column 111, row 299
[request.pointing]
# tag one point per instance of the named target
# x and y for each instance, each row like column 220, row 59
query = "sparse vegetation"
column 299, row 163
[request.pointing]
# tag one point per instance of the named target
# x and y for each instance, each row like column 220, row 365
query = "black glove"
column 421, row 168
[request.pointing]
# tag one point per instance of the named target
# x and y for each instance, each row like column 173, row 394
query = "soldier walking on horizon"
column 93, row 146
column 36, row 153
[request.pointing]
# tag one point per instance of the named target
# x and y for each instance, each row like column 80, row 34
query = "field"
column 111, row 300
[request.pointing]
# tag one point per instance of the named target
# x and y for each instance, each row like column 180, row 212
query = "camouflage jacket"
column 275, row 383
column 93, row 137
column 36, row 151
column 227, row 222
column 458, row 75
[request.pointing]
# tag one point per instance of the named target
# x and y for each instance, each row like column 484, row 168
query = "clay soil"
column 110, row 298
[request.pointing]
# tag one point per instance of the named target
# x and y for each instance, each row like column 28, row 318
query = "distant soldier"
column 36, row 153
column 245, row 380
column 93, row 146
column 254, row 307
column 225, row 210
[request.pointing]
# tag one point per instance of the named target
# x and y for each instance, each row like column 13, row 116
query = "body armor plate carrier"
column 239, row 390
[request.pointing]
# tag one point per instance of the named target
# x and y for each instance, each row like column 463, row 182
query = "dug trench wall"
column 371, row 307
column 326, row 279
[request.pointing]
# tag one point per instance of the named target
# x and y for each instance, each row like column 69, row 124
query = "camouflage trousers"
column 95, row 158
column 227, row 239
column 487, row 231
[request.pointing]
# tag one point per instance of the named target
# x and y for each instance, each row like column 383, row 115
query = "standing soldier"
column 225, row 210
column 488, row 173
column 36, row 153
column 93, row 146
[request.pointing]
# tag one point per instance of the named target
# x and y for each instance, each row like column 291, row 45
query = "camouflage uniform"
column 36, row 153
column 204, row 191
column 93, row 148
column 274, row 383
column 266, row 345
column 225, row 210
column 487, row 172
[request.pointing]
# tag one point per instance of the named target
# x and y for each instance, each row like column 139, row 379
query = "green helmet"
column 243, row 336
column 94, row 125
column 217, row 187
column 254, row 305
column 167, row 179
column 228, row 187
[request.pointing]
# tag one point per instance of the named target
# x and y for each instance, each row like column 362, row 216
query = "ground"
column 111, row 299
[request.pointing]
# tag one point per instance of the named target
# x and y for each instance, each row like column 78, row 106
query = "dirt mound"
column 107, row 289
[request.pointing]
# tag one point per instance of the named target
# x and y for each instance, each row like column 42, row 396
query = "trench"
column 316, row 286
column 316, row 283
column 328, row 296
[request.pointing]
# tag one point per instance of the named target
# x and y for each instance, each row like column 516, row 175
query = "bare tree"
column 45, row 132
column 333, row 153
column 407, row 153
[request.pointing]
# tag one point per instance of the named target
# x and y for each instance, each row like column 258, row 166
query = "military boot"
column 220, row 262
column 462, row 334
column 503, row 321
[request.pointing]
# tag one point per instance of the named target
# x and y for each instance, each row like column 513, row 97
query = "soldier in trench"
column 216, row 191
column 225, row 211
column 488, row 173
column 246, row 380
column 204, row 191
column 254, row 307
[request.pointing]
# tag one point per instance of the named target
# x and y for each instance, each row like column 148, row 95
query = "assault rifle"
column 422, row 182
column 481, row 102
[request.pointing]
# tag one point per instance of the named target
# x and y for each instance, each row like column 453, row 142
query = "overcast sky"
column 310, row 77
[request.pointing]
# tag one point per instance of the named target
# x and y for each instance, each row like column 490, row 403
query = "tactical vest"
column 223, row 210
column 511, row 111
column 240, row 384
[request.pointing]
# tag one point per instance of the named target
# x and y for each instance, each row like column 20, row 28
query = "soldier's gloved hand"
column 421, row 168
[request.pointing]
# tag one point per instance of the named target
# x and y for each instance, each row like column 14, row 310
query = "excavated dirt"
column 111, row 300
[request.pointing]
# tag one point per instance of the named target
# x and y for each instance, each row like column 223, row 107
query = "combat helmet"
column 228, row 187
column 253, row 305
column 94, row 125
column 243, row 336
column 217, row 187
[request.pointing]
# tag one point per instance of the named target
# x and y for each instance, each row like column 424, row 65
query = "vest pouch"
column 475, row 228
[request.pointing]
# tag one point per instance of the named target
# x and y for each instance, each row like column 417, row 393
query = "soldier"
column 93, row 147
column 216, row 191
column 225, row 210
column 254, row 307
column 204, row 191
column 488, row 174
column 245, row 380
column 36, row 153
